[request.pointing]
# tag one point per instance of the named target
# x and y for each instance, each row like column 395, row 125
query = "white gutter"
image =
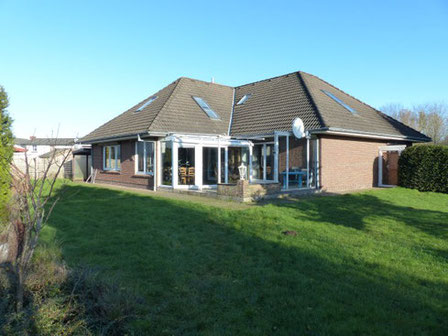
column 363, row 135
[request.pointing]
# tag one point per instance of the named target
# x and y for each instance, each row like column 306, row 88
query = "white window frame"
column 263, row 163
column 144, row 159
column 116, row 158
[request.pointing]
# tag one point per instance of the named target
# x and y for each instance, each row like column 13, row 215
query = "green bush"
column 425, row 168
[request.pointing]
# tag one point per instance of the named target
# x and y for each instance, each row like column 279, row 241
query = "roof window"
column 339, row 101
column 149, row 101
column 244, row 99
column 206, row 108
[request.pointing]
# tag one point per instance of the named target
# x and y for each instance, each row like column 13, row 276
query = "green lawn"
column 372, row 263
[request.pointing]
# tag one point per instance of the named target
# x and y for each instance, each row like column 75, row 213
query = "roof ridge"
column 377, row 111
column 166, row 101
column 310, row 96
column 268, row 79
column 203, row 81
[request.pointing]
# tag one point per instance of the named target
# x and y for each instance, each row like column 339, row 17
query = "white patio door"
column 263, row 162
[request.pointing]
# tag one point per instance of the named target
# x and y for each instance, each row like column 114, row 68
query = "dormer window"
column 149, row 101
column 206, row 108
column 339, row 101
column 244, row 99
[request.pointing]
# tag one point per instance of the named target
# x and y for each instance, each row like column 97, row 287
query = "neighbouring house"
column 198, row 135
column 39, row 151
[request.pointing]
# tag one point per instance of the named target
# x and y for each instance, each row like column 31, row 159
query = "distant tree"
column 430, row 119
column 6, row 152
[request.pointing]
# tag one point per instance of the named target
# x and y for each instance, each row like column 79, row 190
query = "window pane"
column 186, row 166
column 149, row 157
column 269, row 162
column 257, row 162
column 118, row 158
column 106, row 157
column 223, row 165
column 140, row 165
column 166, row 163
column 112, row 157
column 209, row 165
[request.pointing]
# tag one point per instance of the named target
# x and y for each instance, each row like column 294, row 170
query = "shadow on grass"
column 351, row 210
column 203, row 271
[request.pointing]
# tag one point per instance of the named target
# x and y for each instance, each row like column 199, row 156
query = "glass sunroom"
column 202, row 162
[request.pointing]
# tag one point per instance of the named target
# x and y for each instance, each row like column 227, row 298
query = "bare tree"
column 430, row 119
column 30, row 209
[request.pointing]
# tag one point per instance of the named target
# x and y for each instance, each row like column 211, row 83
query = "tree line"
column 430, row 119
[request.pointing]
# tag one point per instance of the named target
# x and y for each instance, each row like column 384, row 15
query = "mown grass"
column 372, row 263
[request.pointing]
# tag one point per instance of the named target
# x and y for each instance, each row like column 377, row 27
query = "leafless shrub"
column 30, row 208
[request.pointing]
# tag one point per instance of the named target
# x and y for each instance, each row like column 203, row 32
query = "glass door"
column 263, row 162
column 209, row 165
column 186, row 167
column 257, row 162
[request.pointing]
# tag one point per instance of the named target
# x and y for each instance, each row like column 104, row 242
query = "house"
column 36, row 147
column 199, row 135
column 40, row 151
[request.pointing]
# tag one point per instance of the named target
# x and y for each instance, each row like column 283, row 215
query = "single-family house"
column 294, row 131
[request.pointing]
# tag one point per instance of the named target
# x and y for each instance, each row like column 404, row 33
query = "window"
column 150, row 100
column 145, row 157
column 34, row 148
column 206, row 108
column 339, row 101
column 111, row 157
column 244, row 99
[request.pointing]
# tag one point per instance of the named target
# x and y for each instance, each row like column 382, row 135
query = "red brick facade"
column 126, row 176
column 348, row 163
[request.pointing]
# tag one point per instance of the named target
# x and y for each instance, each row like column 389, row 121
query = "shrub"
column 64, row 301
column 424, row 167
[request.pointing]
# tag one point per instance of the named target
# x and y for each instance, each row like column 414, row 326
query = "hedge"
column 424, row 167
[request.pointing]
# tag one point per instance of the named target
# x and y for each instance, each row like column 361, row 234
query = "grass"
column 372, row 263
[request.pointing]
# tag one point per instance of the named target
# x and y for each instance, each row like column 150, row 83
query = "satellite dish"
column 298, row 129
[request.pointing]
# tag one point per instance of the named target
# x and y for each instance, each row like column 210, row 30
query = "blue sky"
column 73, row 65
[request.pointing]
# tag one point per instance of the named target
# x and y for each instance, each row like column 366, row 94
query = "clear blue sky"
column 76, row 64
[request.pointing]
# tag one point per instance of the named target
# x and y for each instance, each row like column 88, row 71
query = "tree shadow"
column 352, row 210
column 216, row 272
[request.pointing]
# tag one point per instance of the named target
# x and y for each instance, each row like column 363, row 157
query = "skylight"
column 244, row 99
column 206, row 108
column 336, row 99
column 150, row 100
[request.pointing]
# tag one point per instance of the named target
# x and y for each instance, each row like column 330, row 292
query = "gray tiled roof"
column 367, row 119
column 173, row 111
column 273, row 105
column 45, row 141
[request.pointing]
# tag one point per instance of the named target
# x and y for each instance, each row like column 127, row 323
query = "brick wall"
column 348, row 163
column 126, row 176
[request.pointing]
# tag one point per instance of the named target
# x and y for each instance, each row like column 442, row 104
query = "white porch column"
column 307, row 160
column 287, row 162
column 250, row 163
column 175, row 176
column 380, row 168
column 198, row 166
column 226, row 165
column 158, row 177
column 276, row 155
column 219, row 162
